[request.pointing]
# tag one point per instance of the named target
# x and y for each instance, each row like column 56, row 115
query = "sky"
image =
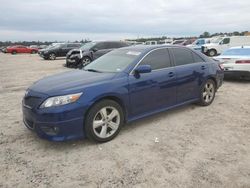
column 51, row 20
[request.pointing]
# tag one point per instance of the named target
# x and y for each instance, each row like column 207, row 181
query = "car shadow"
column 126, row 129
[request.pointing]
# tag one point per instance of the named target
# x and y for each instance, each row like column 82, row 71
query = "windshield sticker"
column 133, row 53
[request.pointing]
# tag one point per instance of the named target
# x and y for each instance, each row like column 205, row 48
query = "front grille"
column 31, row 101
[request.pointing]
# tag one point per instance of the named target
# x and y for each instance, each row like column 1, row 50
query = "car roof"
column 240, row 47
column 146, row 48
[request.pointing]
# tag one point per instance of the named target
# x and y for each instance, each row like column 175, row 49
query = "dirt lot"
column 197, row 146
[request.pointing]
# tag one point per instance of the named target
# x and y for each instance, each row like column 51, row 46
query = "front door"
column 155, row 90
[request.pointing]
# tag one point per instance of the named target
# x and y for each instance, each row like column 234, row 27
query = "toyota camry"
column 122, row 86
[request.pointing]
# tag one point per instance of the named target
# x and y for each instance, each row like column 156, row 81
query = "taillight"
column 221, row 66
column 242, row 61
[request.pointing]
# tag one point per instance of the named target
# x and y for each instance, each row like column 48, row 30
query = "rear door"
column 191, row 71
column 155, row 90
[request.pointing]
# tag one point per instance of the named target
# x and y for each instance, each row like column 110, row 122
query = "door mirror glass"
column 143, row 69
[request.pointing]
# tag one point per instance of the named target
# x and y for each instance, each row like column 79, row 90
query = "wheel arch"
column 113, row 98
column 215, row 81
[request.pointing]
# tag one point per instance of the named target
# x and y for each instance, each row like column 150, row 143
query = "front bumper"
column 56, row 124
column 242, row 75
column 70, row 62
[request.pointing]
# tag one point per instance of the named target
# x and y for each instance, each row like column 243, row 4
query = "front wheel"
column 14, row 52
column 207, row 93
column 85, row 61
column 104, row 121
column 52, row 56
column 212, row 53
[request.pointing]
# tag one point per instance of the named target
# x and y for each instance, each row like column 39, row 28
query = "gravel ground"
column 190, row 146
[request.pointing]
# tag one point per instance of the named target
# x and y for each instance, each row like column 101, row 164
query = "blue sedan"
column 121, row 86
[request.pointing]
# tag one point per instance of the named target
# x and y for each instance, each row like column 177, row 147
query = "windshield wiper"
column 91, row 70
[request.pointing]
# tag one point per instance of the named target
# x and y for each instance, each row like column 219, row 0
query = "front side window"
column 182, row 56
column 157, row 59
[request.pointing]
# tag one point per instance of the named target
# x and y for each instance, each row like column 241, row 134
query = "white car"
column 236, row 62
column 220, row 44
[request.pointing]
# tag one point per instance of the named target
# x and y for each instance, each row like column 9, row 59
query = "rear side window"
column 197, row 58
column 157, row 59
column 182, row 56
column 226, row 41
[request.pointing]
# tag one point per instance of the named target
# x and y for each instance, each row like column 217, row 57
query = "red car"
column 21, row 49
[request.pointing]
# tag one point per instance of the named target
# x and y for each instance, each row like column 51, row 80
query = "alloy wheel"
column 208, row 92
column 52, row 56
column 106, row 122
column 85, row 61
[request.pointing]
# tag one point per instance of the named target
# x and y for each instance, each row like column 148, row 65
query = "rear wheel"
column 52, row 56
column 33, row 51
column 207, row 93
column 104, row 121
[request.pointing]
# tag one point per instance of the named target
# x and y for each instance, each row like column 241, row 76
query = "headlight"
column 60, row 100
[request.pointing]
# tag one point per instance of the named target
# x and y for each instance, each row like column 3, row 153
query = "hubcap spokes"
column 106, row 122
column 85, row 61
column 208, row 92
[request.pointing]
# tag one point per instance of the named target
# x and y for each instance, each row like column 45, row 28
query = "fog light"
column 51, row 131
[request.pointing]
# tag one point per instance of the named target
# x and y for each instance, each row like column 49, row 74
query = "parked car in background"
column 236, row 62
column 183, row 42
column 122, row 86
column 221, row 44
column 91, row 51
column 57, row 50
column 166, row 41
column 2, row 49
column 151, row 42
column 197, row 44
column 20, row 49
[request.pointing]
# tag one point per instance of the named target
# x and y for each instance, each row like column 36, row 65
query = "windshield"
column 53, row 46
column 88, row 45
column 115, row 61
column 239, row 52
column 199, row 42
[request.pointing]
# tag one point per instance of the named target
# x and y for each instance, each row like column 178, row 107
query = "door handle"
column 203, row 67
column 171, row 74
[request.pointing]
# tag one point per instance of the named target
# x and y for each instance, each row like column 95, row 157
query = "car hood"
column 69, row 82
column 73, row 52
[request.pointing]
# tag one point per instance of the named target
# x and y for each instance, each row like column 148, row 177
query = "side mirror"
column 143, row 69
column 94, row 49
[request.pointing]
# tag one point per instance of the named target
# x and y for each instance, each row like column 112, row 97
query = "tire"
column 14, row 52
column 85, row 61
column 212, row 52
column 207, row 93
column 52, row 56
column 33, row 52
column 105, row 127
